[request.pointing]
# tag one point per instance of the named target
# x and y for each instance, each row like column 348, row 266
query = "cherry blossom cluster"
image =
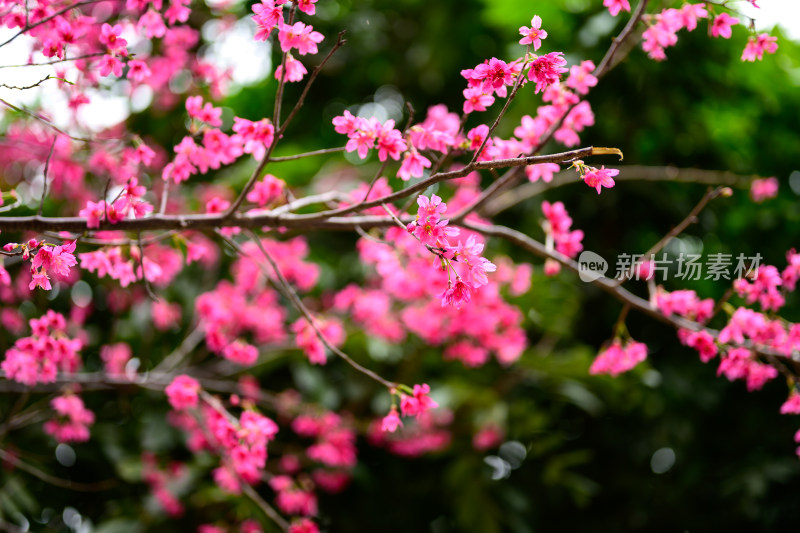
column 407, row 285
column 162, row 482
column 159, row 264
column 248, row 305
column 557, row 230
column 664, row 26
column 416, row 403
column 45, row 258
column 129, row 204
column 216, row 148
column 307, row 339
column 617, row 358
column 266, row 191
column 37, row 359
column 757, row 46
column 182, row 392
column 299, row 36
column 432, row 231
column 426, row 433
column 747, row 333
column 684, row 303
column 115, row 359
column 740, row 342
column 292, row 498
column 72, row 419
column 334, row 438
column 101, row 42
column 227, row 314
column 240, row 442
column 494, row 76
column 364, row 134
column 562, row 104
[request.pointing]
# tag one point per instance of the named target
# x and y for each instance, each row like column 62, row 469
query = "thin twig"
column 177, row 356
column 146, row 281
column 48, row 18
column 517, row 85
column 48, row 77
column 324, row 198
column 50, row 124
column 266, row 508
column 55, row 61
column 375, row 179
column 312, row 153
column 46, row 167
column 605, row 64
column 164, row 198
column 691, row 218
column 276, row 112
column 279, row 133
column 53, row 480
column 290, row 293
column 151, row 380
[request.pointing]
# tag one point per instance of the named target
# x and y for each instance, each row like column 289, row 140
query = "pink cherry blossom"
column 476, row 100
column 299, row 36
column 534, row 34
column 457, row 294
column 543, row 171
column 615, row 6
column 721, row 27
column 615, row 359
column 389, row 141
column 764, row 189
column 547, row 69
column 581, row 78
column 413, row 165
column 267, row 16
column 602, row 177
column 73, row 419
column 295, row 70
column 417, row 404
column 391, row 421
column 792, row 405
column 182, row 392
column 756, row 46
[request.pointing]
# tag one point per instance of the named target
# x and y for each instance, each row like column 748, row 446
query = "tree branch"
column 257, row 219
column 525, row 191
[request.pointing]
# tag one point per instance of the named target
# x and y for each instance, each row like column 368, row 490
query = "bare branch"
column 312, row 153
column 55, row 61
column 606, row 63
column 525, row 191
column 56, row 481
column 53, row 126
column 691, row 218
column 257, row 219
column 266, row 508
